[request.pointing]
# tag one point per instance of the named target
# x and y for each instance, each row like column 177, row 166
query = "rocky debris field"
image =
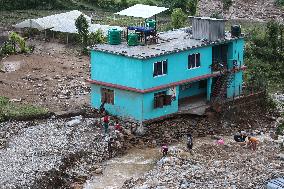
column 214, row 166
column 253, row 10
column 53, row 76
column 249, row 118
column 55, row 152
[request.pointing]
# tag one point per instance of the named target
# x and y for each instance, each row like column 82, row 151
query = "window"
column 162, row 99
column 107, row 96
column 160, row 68
column 194, row 61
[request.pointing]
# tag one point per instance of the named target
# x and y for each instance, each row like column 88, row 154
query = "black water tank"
column 236, row 31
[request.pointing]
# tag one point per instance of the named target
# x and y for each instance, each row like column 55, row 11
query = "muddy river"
column 117, row 170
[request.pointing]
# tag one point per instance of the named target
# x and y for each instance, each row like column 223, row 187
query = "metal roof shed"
column 142, row 11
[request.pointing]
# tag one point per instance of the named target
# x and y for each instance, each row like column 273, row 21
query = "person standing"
column 189, row 142
column 106, row 123
column 252, row 142
column 165, row 149
column 117, row 126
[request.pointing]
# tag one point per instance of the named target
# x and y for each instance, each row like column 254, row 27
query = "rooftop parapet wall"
column 169, row 42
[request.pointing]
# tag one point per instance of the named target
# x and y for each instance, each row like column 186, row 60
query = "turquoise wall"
column 137, row 73
column 191, row 91
column 116, row 69
column 126, row 104
column 236, row 52
column 235, row 88
column 148, row 106
column 177, row 67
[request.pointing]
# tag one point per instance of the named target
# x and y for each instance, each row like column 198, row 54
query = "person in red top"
column 165, row 149
column 106, row 122
column 117, row 126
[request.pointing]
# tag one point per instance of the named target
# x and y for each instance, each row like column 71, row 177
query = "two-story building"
column 150, row 81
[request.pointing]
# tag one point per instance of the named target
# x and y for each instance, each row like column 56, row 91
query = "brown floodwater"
column 117, row 170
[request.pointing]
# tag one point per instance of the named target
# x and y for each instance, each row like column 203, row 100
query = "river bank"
column 54, row 152
column 214, row 166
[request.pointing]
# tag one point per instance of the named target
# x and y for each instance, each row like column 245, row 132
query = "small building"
column 178, row 72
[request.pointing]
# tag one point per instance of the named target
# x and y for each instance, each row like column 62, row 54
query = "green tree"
column 176, row 4
column 227, row 4
column 272, row 34
column 192, row 7
column 16, row 39
column 178, row 18
column 82, row 26
column 123, row 3
column 96, row 37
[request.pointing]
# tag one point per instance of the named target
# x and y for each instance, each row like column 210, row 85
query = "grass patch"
column 9, row 110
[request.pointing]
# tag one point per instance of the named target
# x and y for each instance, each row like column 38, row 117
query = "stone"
column 280, row 156
column 98, row 171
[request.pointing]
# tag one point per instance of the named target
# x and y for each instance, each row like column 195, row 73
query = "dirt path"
column 53, row 77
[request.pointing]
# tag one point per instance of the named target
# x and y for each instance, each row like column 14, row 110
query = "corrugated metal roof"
column 142, row 11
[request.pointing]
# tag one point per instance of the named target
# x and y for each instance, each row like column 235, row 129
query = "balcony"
column 218, row 66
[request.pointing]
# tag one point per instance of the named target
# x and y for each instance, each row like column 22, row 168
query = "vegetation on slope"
column 10, row 110
column 265, row 55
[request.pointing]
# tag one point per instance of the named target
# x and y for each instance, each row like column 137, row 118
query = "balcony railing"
column 218, row 66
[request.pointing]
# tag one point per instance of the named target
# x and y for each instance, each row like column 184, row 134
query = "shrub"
column 280, row 129
column 192, row 7
column 7, row 48
column 227, row 4
column 178, row 18
column 96, row 37
column 17, row 39
column 9, row 110
column 123, row 3
column 279, row 2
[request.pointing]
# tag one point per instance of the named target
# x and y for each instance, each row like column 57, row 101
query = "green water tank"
column 114, row 36
column 133, row 39
column 151, row 23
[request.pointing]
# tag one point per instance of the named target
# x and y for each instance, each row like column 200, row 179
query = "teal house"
column 177, row 72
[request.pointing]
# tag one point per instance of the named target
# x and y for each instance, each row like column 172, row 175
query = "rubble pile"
column 51, row 152
column 214, row 166
column 171, row 130
column 279, row 100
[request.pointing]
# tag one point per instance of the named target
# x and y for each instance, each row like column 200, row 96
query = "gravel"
column 214, row 166
column 36, row 148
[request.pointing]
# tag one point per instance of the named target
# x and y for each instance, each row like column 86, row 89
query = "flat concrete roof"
column 169, row 42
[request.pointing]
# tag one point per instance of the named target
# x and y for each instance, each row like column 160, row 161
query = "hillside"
column 256, row 10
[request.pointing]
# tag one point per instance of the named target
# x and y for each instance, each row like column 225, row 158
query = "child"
column 165, row 150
